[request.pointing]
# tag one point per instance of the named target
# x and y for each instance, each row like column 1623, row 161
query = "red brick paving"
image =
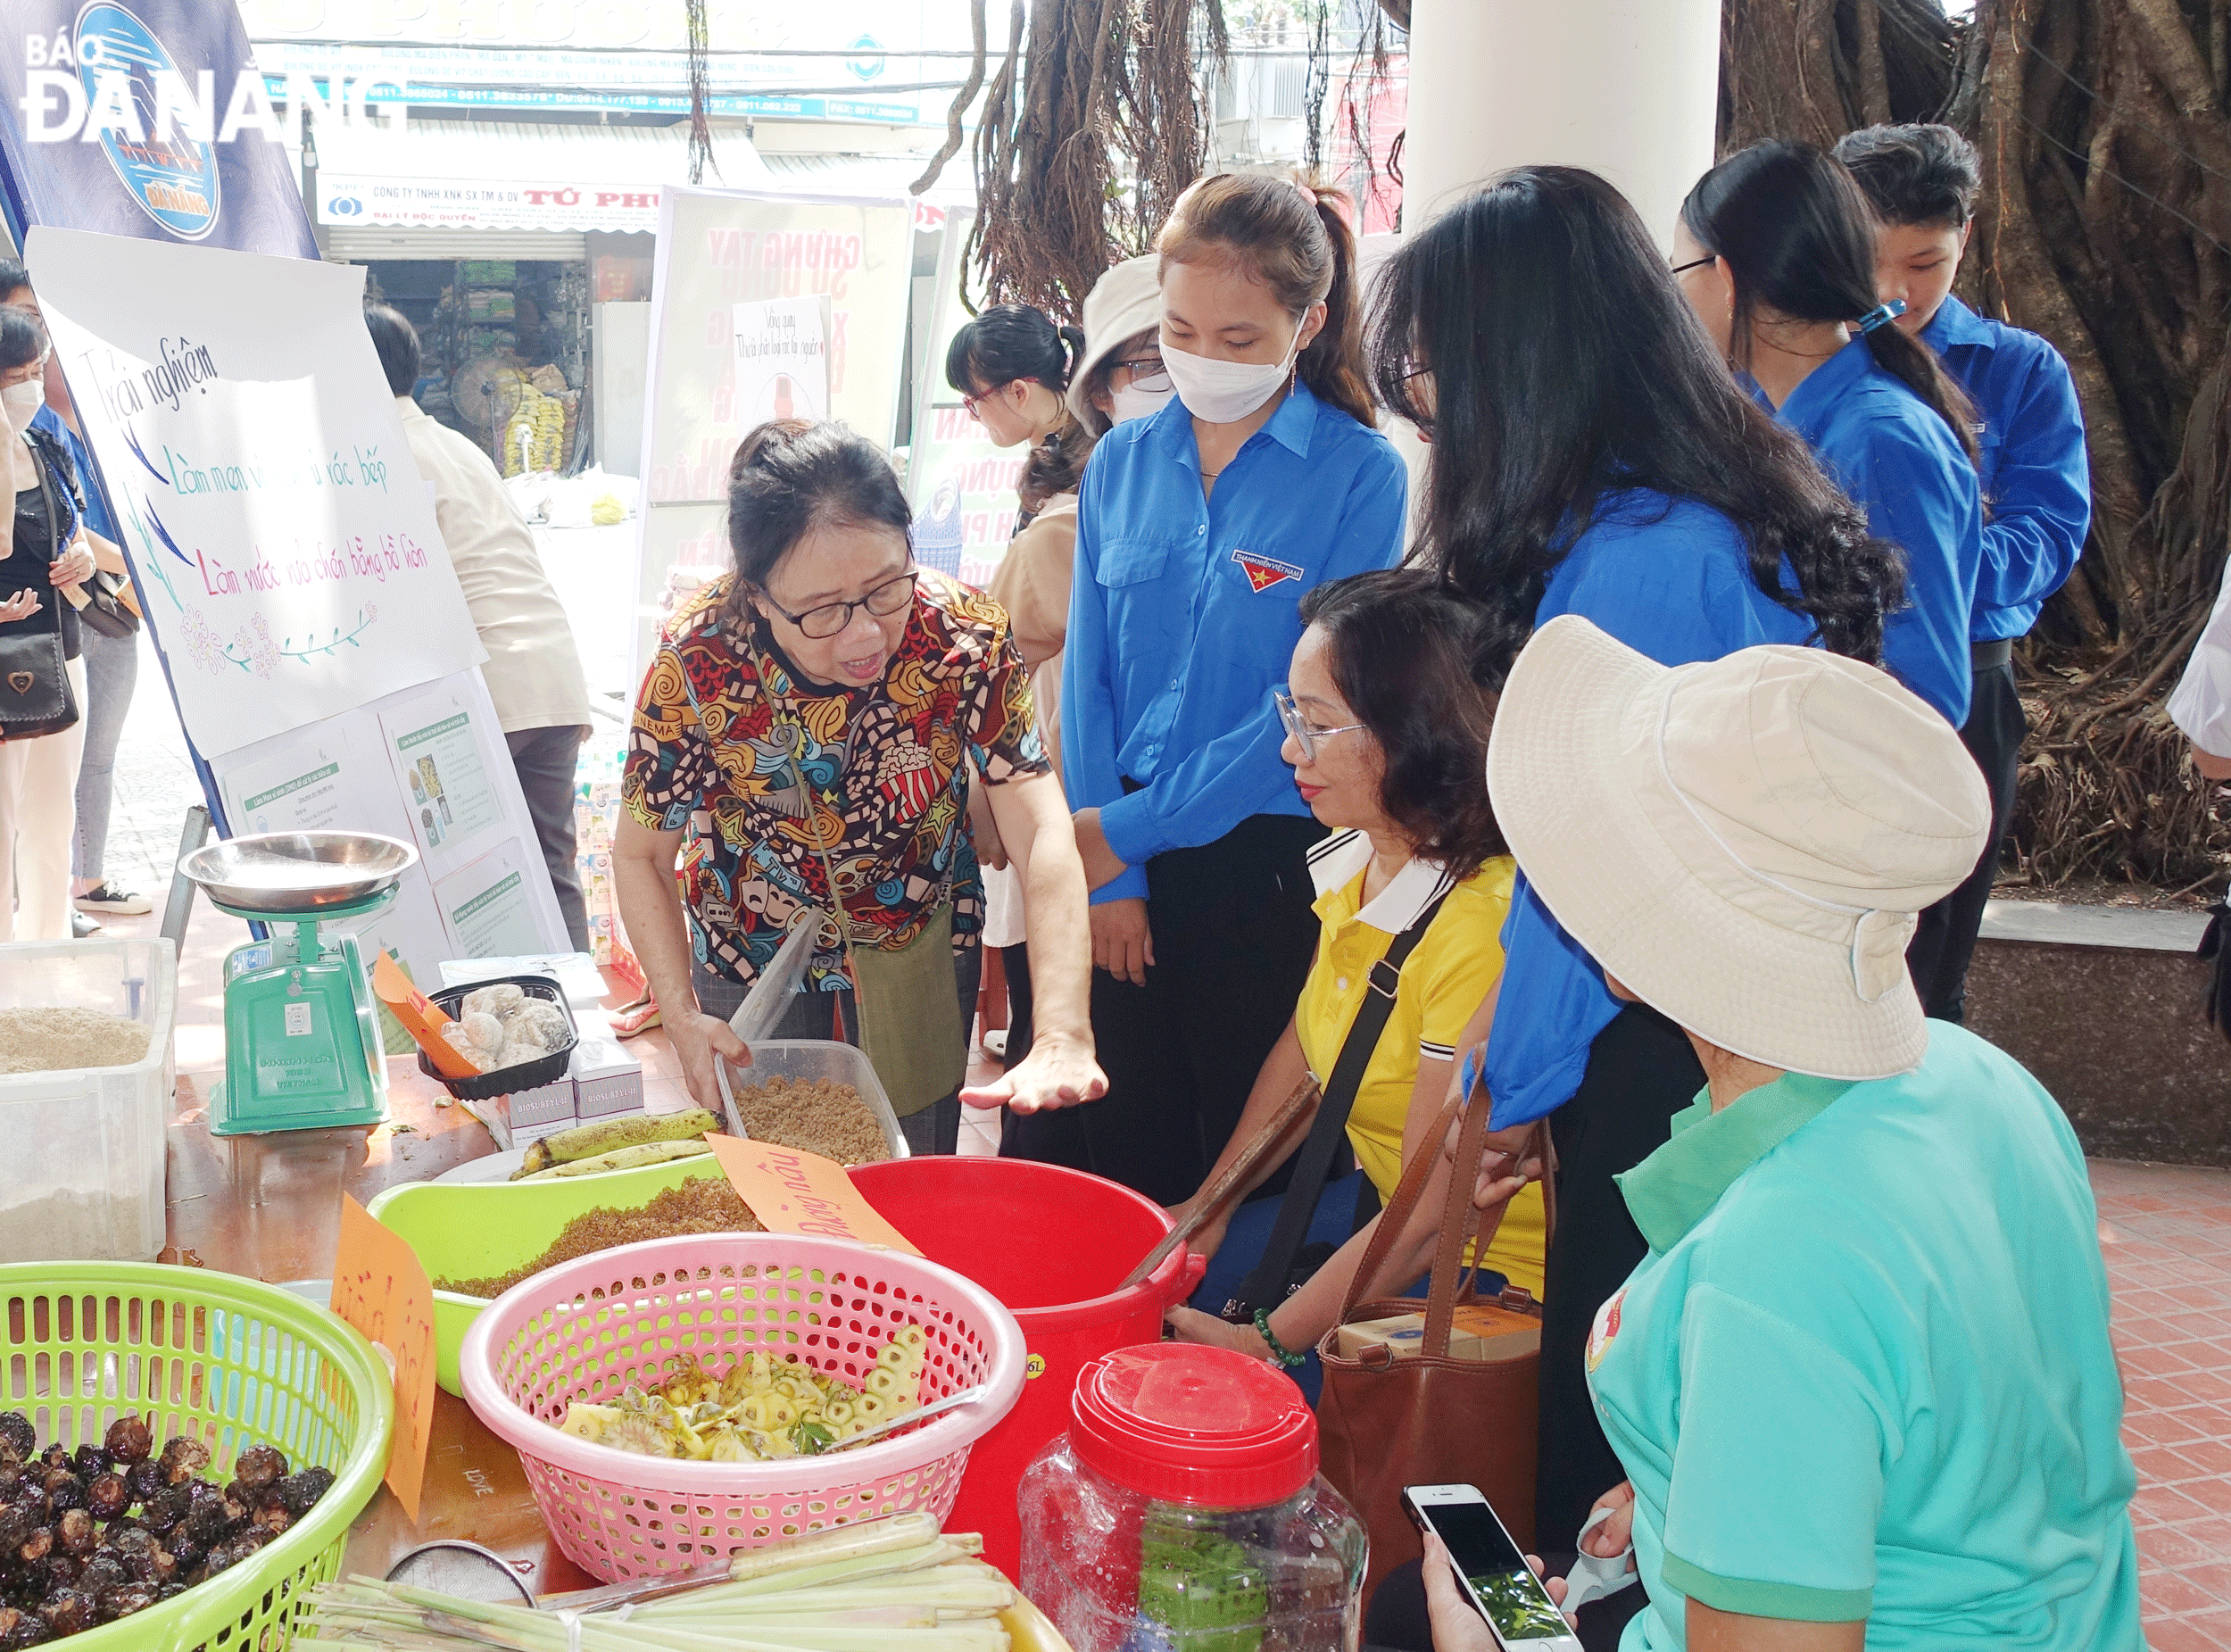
column 2165, row 1232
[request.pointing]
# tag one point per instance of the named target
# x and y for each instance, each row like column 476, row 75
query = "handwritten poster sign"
column 782, row 359
column 380, row 1288
column 284, row 543
column 793, row 1191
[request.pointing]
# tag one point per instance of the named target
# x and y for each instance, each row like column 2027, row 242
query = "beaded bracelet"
column 1278, row 1350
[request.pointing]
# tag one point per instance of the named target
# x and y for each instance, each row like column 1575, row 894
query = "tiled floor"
column 2167, row 1233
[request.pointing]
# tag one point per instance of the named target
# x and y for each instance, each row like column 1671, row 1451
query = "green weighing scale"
column 301, row 1027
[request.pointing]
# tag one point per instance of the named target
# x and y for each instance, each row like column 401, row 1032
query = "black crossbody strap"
column 1266, row 1287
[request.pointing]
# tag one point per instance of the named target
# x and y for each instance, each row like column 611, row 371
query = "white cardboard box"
column 606, row 1079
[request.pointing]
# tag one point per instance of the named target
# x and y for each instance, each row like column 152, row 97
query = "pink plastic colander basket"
column 586, row 1329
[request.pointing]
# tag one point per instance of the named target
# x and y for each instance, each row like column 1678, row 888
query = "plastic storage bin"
column 811, row 1059
column 1183, row 1512
column 90, row 1186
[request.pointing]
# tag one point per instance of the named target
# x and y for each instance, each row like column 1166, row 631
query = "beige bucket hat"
column 1743, row 843
column 1126, row 302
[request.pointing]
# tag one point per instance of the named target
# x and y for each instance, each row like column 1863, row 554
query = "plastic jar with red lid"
column 1183, row 1512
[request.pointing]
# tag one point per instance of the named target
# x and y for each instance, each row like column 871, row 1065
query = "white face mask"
column 22, row 402
column 1223, row 393
column 1132, row 403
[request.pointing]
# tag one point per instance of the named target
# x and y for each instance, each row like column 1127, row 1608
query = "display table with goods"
column 792, row 1440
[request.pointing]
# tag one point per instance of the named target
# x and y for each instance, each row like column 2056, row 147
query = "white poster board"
column 285, row 546
column 308, row 612
column 960, row 483
column 719, row 249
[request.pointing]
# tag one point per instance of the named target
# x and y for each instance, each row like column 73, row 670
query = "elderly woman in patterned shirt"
column 803, row 742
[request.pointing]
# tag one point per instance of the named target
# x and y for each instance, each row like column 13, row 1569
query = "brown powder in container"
column 702, row 1205
column 61, row 1040
column 816, row 1118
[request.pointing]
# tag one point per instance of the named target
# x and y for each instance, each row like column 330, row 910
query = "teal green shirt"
column 1865, row 1371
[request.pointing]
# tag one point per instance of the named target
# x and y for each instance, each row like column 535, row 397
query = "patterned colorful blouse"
column 720, row 717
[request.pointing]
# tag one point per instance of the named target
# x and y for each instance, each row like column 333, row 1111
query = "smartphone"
column 1491, row 1567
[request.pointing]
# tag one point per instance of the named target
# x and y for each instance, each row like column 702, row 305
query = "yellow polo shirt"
column 1443, row 982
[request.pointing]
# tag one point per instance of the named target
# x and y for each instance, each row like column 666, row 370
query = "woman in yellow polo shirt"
column 1386, row 732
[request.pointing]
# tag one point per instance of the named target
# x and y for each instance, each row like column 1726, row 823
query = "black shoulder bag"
column 34, row 694
column 1276, row 1276
column 112, row 607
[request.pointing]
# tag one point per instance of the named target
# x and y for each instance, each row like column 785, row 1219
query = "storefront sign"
column 481, row 203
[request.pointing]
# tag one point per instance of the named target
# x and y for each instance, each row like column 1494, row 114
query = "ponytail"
column 1798, row 236
column 1294, row 237
column 1916, row 366
column 1008, row 342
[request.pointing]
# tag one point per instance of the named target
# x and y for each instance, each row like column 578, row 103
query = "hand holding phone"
column 1518, row 1613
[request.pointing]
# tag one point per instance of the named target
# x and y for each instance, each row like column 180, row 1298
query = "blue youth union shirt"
column 1671, row 579
column 2036, row 474
column 1902, row 465
column 1185, row 610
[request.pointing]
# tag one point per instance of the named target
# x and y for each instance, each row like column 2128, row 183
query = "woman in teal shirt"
column 1198, row 529
column 1862, row 1385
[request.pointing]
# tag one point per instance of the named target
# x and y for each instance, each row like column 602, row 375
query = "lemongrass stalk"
column 871, row 1537
column 913, row 1558
column 958, row 1595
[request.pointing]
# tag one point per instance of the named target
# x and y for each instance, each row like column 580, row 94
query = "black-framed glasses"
column 828, row 618
column 1148, row 373
column 1696, row 263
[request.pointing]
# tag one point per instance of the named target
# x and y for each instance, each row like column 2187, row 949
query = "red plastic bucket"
column 1052, row 1244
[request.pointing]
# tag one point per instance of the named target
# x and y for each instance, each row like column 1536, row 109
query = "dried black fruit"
column 233, row 1550
column 108, row 1496
column 57, row 1570
column 138, row 1551
column 76, row 1532
column 125, row 1599
column 161, row 1513
column 260, row 1466
column 183, row 1458
column 273, row 1517
column 16, row 1429
column 129, row 1440
column 207, row 1521
column 303, row 1488
column 26, row 1628
column 146, row 1479
column 56, row 1456
column 185, row 1554
column 69, row 1611
column 38, row 1545
column 63, row 1490
column 89, row 1461
column 103, row 1571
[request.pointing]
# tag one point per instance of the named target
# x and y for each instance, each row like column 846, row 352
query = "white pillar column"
column 1628, row 88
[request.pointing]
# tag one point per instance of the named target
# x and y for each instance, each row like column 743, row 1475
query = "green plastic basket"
column 231, row 1361
column 472, row 1230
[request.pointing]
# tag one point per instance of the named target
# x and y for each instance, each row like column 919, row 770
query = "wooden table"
column 269, row 1206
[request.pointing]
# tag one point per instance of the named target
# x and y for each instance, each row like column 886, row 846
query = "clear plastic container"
column 810, row 1060
column 1183, row 1512
column 88, row 1184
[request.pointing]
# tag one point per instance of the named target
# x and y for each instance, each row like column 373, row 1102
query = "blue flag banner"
column 144, row 118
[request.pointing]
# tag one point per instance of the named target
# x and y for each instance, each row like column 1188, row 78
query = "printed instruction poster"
column 488, row 906
column 286, row 548
column 438, row 754
column 783, row 359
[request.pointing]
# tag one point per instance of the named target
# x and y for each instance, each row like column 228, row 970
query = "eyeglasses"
column 1306, row 733
column 829, row 619
column 1148, row 373
column 968, row 402
column 1696, row 263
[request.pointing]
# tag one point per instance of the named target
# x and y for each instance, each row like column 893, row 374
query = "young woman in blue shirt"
column 1592, row 455
column 1775, row 250
column 1198, row 530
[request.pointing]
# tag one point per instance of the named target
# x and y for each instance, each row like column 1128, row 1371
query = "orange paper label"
column 793, row 1191
column 380, row 1288
column 420, row 1016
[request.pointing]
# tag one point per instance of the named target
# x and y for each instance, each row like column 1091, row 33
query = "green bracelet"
column 1278, row 1350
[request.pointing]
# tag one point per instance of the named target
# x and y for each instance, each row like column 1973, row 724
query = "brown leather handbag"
column 1385, row 1422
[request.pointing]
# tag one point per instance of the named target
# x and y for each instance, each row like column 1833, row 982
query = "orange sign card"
column 380, row 1288
column 420, row 1016
column 793, row 1192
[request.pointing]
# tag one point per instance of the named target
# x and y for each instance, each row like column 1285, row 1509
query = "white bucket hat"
column 1742, row 844
column 1123, row 302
